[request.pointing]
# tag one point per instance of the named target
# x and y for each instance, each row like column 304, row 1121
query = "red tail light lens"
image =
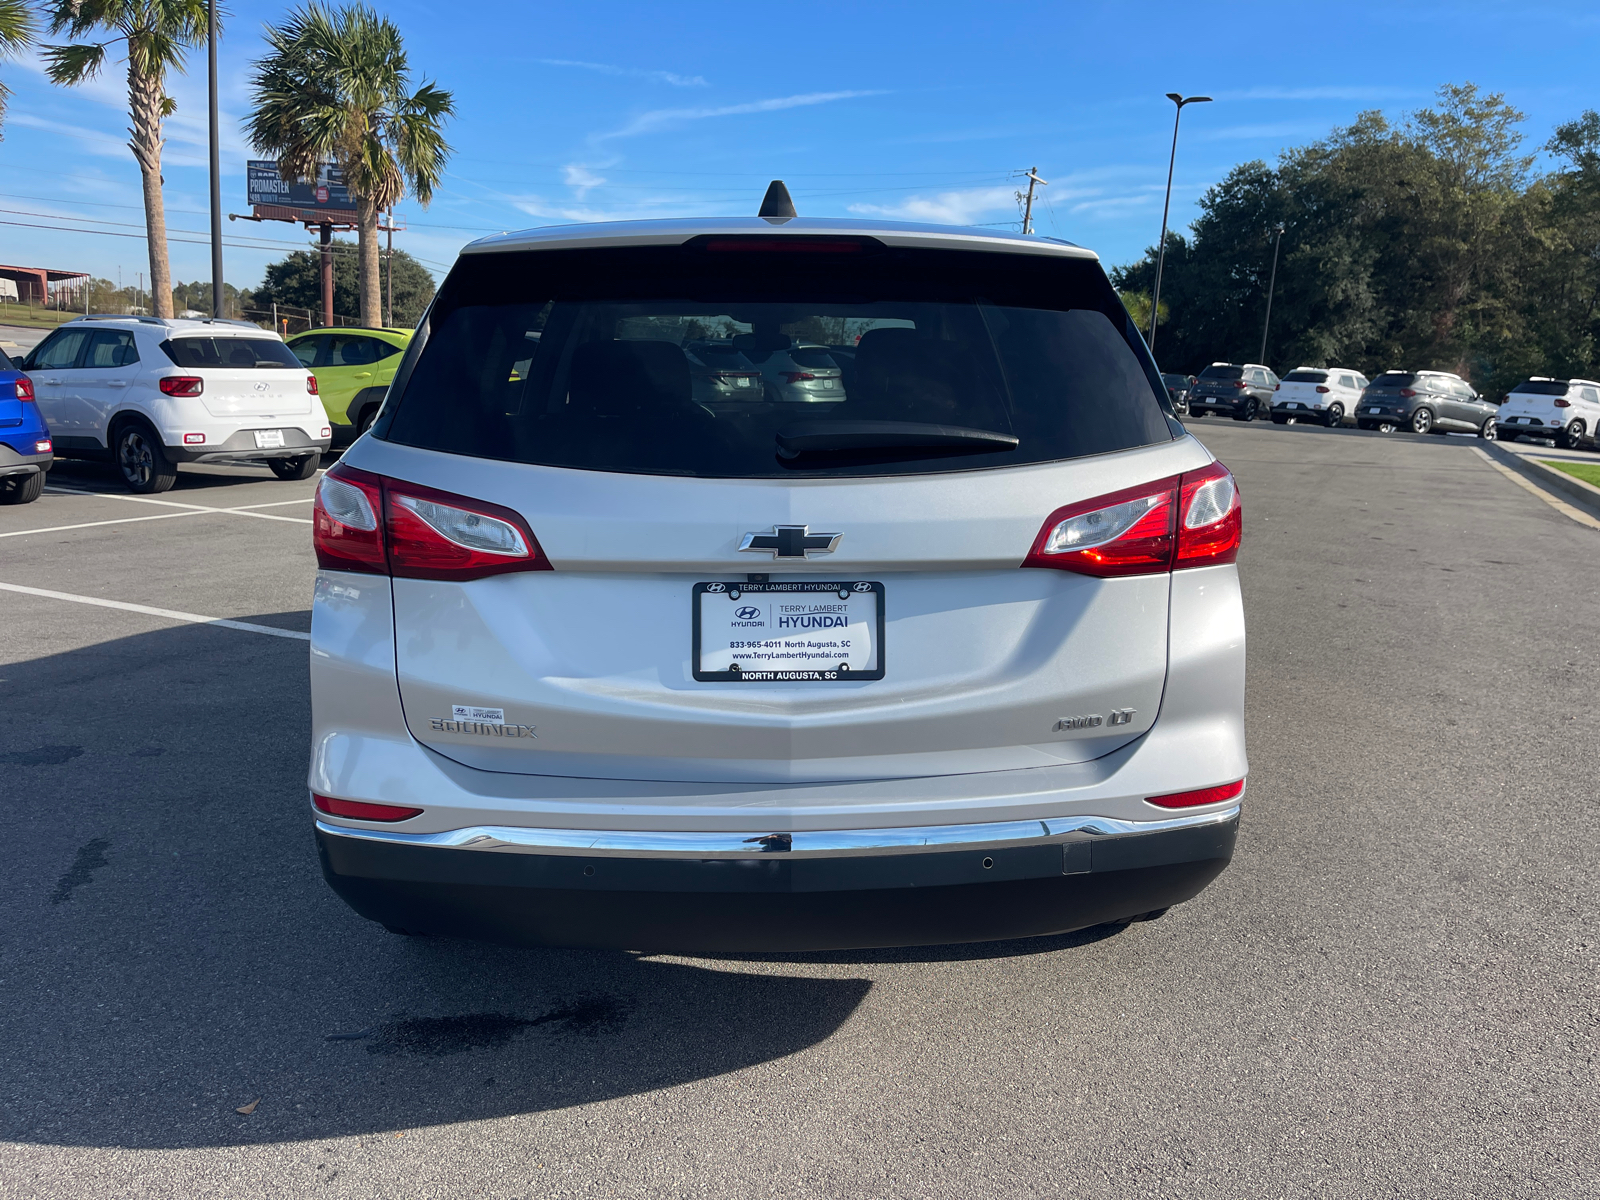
column 1563, row 403
column 24, row 388
column 1212, row 523
column 1125, row 533
column 796, row 376
column 1210, row 795
column 437, row 535
column 1408, row 392
column 311, row 384
column 1322, row 389
column 1239, row 383
column 182, row 385
column 367, row 522
column 1189, row 520
column 361, row 810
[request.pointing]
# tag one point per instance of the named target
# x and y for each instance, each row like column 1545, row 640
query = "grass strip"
column 1588, row 472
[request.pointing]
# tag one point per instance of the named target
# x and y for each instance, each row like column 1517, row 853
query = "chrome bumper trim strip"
column 625, row 843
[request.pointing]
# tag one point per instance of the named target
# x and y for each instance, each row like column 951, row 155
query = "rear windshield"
column 229, row 352
column 1541, row 387
column 1222, row 373
column 1306, row 377
column 1175, row 380
column 1394, row 379
column 853, row 346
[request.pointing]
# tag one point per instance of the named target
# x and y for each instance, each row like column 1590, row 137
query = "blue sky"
column 924, row 111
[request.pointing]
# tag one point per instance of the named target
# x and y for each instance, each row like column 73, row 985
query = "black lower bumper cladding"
column 773, row 903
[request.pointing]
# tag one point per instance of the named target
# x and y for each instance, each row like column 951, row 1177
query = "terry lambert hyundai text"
column 775, row 584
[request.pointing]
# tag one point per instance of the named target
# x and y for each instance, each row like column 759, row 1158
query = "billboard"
column 326, row 196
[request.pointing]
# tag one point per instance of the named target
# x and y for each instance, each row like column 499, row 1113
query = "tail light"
column 311, row 384
column 1239, row 383
column 1563, row 403
column 366, row 522
column 24, row 388
column 182, row 385
column 795, row 376
column 1408, row 392
column 1210, row 795
column 43, row 446
column 1277, row 387
column 1322, row 388
column 361, row 810
column 1189, row 520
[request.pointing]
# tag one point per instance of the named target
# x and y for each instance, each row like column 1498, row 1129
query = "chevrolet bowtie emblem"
column 790, row 541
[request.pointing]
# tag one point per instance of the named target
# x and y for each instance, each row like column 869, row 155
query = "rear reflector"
column 1210, row 795
column 361, row 810
column 367, row 522
column 1189, row 520
column 42, row 446
column 194, row 439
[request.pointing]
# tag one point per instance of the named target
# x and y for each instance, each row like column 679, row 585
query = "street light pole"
column 216, row 162
column 1161, row 247
column 1272, row 284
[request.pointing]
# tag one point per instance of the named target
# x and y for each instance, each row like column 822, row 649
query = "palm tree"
column 155, row 33
column 16, row 35
column 336, row 88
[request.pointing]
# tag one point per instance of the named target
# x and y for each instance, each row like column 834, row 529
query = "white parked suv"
column 1567, row 410
column 598, row 662
column 1324, row 394
column 148, row 393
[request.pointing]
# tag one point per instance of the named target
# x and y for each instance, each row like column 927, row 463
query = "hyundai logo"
column 261, row 387
column 747, row 613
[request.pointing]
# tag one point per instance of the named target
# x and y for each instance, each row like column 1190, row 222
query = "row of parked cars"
column 146, row 393
column 1565, row 411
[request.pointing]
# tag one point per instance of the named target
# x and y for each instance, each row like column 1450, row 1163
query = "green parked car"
column 354, row 368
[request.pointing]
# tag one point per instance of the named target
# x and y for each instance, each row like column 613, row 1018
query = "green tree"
column 16, row 35
column 295, row 282
column 1138, row 306
column 155, row 35
column 336, row 87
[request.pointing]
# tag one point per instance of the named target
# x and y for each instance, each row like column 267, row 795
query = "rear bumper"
column 14, row 462
column 986, row 887
column 242, row 444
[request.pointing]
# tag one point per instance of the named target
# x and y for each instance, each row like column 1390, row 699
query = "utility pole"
column 327, row 274
column 1271, row 285
column 216, row 163
column 1027, row 206
column 1161, row 246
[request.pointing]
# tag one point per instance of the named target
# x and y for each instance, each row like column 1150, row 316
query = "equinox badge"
column 790, row 541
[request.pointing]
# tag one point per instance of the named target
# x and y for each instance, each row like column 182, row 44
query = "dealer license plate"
column 269, row 439
column 788, row 632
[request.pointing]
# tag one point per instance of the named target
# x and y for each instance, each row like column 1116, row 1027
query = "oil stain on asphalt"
column 439, row 1036
column 91, row 857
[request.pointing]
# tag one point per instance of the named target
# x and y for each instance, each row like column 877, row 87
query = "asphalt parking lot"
column 1392, row 991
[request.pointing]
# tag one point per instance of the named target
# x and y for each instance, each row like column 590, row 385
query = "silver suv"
column 598, row 662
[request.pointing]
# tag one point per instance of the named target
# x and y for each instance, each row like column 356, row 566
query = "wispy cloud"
column 96, row 141
column 946, row 208
column 1282, row 129
column 630, row 72
column 663, row 117
column 581, row 179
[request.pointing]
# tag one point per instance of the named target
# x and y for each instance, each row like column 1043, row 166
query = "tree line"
column 1432, row 243
column 333, row 87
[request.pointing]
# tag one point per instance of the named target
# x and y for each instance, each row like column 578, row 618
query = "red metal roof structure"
column 33, row 283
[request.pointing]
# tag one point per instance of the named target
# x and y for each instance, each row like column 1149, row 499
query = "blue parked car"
column 25, row 449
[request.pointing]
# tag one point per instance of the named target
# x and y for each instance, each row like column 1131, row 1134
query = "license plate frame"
column 854, row 597
column 269, row 439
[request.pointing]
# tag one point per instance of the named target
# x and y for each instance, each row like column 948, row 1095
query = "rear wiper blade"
column 821, row 437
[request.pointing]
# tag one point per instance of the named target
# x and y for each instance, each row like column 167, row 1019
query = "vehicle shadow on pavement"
column 85, row 476
column 172, row 954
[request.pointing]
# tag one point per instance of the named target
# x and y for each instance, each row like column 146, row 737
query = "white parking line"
column 168, row 613
column 244, row 510
column 1561, row 506
column 93, row 524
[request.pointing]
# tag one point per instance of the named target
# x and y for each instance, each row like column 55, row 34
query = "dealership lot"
column 1393, row 988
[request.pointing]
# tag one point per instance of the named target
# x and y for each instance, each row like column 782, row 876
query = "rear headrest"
column 618, row 379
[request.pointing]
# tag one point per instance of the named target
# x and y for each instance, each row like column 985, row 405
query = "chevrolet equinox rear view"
column 603, row 656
